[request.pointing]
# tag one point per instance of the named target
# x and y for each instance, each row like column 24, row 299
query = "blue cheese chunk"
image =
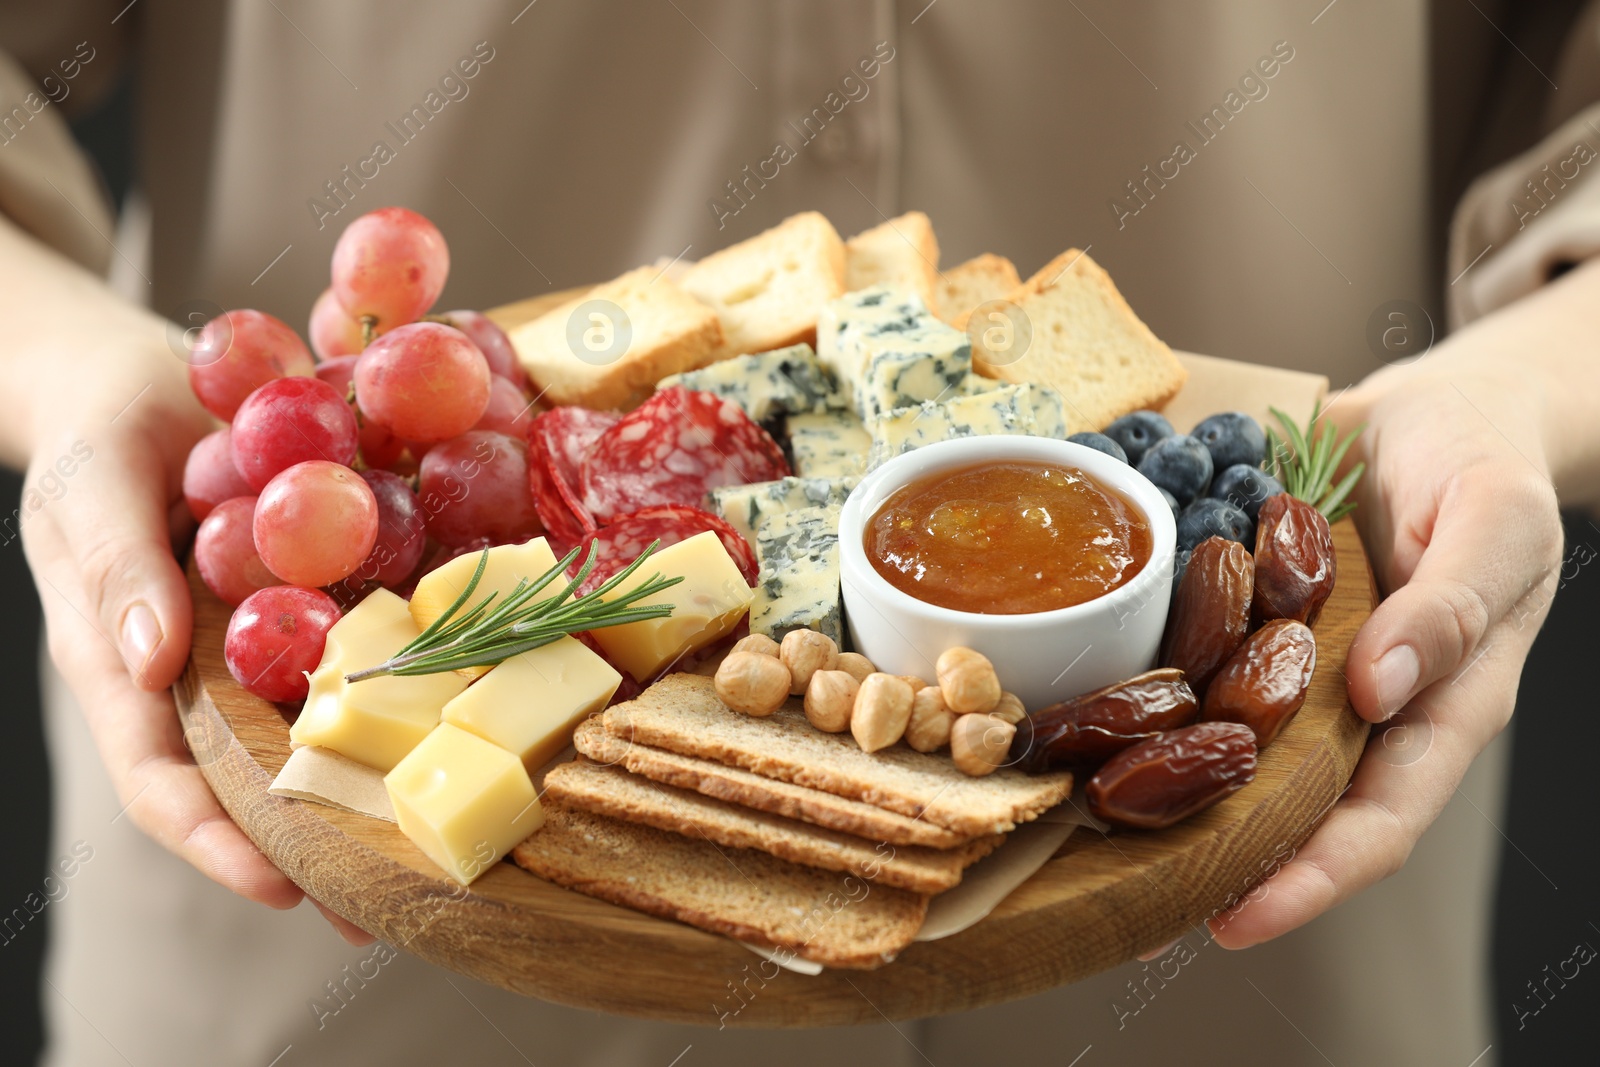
column 889, row 352
column 798, row 587
column 833, row 444
column 787, row 381
column 748, row 507
column 1016, row 410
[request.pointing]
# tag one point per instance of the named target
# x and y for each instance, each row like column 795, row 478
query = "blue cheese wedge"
column 786, row 381
column 1016, row 410
column 748, row 507
column 833, row 444
column 798, row 587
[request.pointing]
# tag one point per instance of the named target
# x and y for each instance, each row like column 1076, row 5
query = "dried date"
column 1090, row 729
column 1295, row 564
column 1212, row 611
column 1265, row 682
column 1173, row 775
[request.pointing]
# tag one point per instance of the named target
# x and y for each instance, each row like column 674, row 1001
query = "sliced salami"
column 558, row 439
column 673, row 449
column 620, row 542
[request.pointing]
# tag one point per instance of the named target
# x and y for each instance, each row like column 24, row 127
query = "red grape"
column 477, row 486
column 209, row 476
column 237, row 353
column 390, row 264
column 402, row 530
column 493, row 343
column 332, row 331
column 425, row 382
column 315, row 523
column 379, row 447
column 508, row 412
column 290, row 421
column 275, row 637
column 225, row 551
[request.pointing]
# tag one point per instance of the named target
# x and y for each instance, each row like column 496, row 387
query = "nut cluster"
column 966, row 710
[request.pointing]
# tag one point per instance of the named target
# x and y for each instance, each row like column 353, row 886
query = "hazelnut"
column 883, row 707
column 1010, row 709
column 805, row 652
column 752, row 683
column 757, row 643
column 979, row 744
column 929, row 727
column 855, row 665
column 830, row 699
column 968, row 680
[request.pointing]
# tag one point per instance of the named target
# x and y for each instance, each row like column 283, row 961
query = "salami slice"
column 620, row 542
column 558, row 439
column 673, row 449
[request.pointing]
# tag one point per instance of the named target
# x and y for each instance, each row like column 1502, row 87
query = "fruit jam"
column 1008, row 538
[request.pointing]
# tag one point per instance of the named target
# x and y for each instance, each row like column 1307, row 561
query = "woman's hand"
column 1458, row 514
column 102, row 507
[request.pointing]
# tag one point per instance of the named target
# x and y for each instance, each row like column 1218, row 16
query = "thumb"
column 1476, row 569
column 112, row 512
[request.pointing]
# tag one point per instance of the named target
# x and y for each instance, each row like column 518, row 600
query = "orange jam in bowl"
column 1007, row 538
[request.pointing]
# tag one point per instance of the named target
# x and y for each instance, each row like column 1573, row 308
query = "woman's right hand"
column 102, row 508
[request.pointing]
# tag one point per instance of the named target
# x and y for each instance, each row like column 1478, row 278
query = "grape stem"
column 369, row 329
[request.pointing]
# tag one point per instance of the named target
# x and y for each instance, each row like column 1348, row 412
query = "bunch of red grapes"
column 402, row 445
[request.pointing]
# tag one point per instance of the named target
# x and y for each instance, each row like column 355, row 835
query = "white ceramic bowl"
column 1042, row 656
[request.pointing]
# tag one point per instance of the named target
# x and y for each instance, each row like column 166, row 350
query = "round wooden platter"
column 1097, row 903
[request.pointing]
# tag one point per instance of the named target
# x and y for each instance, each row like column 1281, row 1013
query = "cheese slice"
column 833, row 444
column 379, row 720
column 706, row 605
column 463, row 801
column 508, row 564
column 799, row 584
column 531, row 703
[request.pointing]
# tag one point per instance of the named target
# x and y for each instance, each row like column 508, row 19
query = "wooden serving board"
column 1097, row 903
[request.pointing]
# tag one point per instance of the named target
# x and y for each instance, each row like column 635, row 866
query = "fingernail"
column 1395, row 676
column 141, row 633
column 1162, row 951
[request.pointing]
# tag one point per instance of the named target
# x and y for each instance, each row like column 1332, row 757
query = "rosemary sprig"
column 489, row 633
column 1305, row 461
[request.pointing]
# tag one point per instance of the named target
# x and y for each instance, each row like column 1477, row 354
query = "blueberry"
column 1246, row 487
column 1180, row 564
column 1180, row 465
column 1172, row 502
column 1138, row 431
column 1232, row 437
column 1100, row 443
column 1209, row 517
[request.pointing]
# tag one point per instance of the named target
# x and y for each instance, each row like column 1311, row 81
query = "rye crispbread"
column 616, row 792
column 682, row 713
column 739, row 786
column 831, row 918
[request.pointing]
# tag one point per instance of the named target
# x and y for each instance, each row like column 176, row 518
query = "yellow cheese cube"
column 508, row 564
column 530, row 704
column 379, row 720
column 706, row 605
column 463, row 801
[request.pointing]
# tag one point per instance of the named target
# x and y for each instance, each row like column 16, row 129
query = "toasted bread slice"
column 768, row 290
column 1089, row 345
column 669, row 332
column 828, row 917
column 902, row 253
column 752, row 790
column 682, row 713
column 977, row 281
column 615, row 792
